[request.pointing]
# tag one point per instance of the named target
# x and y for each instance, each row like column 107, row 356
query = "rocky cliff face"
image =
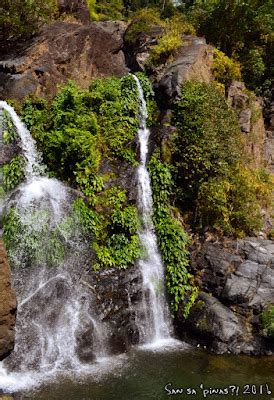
column 60, row 52
column 7, row 306
column 250, row 113
column 238, row 284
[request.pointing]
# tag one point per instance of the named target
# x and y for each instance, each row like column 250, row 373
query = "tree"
column 21, row 18
column 240, row 28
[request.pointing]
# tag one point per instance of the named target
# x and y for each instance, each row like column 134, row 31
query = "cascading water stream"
column 56, row 325
column 34, row 166
column 154, row 320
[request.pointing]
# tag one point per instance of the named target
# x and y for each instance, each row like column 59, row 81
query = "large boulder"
column 63, row 51
column 237, row 281
column 78, row 8
column 216, row 325
column 193, row 60
column 7, row 306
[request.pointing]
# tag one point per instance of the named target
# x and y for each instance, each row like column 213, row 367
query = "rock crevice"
column 7, row 306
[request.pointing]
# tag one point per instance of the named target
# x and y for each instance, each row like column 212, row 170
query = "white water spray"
column 33, row 158
column 57, row 329
column 154, row 320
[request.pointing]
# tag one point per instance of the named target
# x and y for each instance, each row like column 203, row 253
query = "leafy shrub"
column 234, row 203
column 119, row 251
column 142, row 24
column 105, row 10
column 23, row 18
column 169, row 40
column 208, row 138
column 165, row 48
column 214, row 181
column 173, row 240
column 79, row 126
column 267, row 320
column 9, row 130
column 113, row 226
column 89, row 218
column 225, row 69
column 253, row 67
column 241, row 29
column 13, row 173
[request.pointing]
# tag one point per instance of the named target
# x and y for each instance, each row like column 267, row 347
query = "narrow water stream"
column 155, row 320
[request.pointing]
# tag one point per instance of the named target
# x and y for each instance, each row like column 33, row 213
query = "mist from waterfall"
column 57, row 329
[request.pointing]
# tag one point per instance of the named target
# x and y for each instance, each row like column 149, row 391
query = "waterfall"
column 57, row 329
column 34, row 166
column 154, row 320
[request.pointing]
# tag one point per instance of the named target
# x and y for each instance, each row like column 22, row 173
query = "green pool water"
column 145, row 374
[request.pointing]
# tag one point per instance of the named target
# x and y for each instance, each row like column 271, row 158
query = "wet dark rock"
column 121, row 174
column 7, row 306
column 8, row 151
column 237, row 280
column 220, row 328
column 85, row 344
column 118, row 293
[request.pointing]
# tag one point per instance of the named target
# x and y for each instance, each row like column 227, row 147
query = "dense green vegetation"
column 214, row 181
column 112, row 225
column 21, row 18
column 117, row 9
column 77, row 132
column 172, row 238
column 13, row 173
column 9, row 131
column 242, row 30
